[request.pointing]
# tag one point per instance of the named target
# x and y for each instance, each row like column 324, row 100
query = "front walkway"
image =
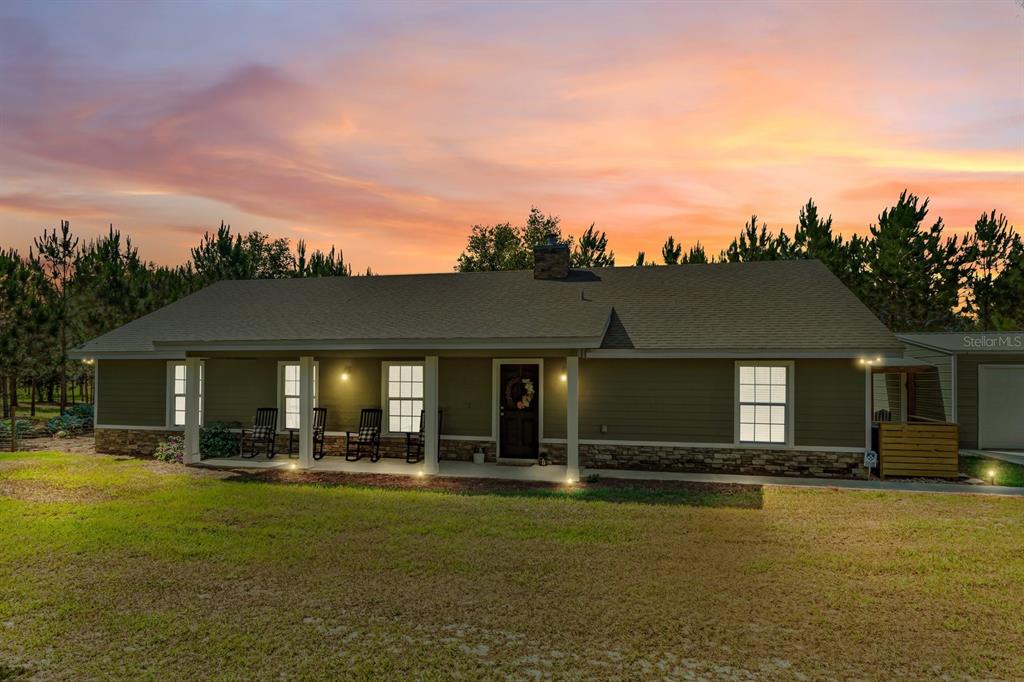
column 1012, row 456
column 557, row 474
column 844, row 483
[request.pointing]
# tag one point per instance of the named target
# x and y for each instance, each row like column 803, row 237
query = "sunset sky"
column 389, row 129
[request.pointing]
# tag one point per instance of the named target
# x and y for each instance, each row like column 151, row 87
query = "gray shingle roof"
column 786, row 306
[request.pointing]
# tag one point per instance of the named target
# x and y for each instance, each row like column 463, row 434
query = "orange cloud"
column 393, row 142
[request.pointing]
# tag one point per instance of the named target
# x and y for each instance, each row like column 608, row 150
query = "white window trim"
column 281, row 423
column 790, row 404
column 169, row 394
column 385, row 427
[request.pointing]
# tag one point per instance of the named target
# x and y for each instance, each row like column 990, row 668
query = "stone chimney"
column 551, row 260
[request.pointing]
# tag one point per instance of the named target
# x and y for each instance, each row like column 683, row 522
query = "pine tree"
column 754, row 245
column 671, row 251
column 57, row 254
column 813, row 238
column 592, row 250
column 916, row 274
column 992, row 253
column 695, row 255
column 1007, row 293
column 331, row 264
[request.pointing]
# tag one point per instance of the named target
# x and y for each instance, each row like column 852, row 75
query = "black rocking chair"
column 262, row 434
column 414, row 441
column 319, row 423
column 367, row 438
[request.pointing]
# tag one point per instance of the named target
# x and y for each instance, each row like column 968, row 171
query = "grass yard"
column 118, row 567
column 1006, row 473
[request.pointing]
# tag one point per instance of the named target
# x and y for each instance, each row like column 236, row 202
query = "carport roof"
column 969, row 342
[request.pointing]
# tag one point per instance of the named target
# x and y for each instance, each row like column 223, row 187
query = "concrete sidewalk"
column 1012, row 456
column 841, row 483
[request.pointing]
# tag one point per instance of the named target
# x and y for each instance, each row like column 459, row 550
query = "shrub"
column 83, row 411
column 24, row 427
column 217, row 440
column 65, row 422
column 171, row 450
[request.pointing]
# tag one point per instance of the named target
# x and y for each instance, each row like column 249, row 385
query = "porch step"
column 517, row 463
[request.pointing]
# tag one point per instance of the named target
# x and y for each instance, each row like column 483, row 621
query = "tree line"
column 912, row 274
column 66, row 291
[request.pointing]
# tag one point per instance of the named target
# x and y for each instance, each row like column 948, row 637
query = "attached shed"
column 979, row 381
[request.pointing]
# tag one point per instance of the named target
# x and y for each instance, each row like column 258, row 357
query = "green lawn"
column 116, row 567
column 1006, row 473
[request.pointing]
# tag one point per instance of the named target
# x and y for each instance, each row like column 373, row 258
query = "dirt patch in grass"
column 84, row 444
column 42, row 491
column 604, row 490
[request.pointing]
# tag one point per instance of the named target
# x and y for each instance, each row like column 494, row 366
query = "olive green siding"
column 693, row 401
column 346, row 398
column 828, row 405
column 967, row 391
column 465, row 396
column 132, row 392
column 686, row 401
column 234, row 388
column 554, row 397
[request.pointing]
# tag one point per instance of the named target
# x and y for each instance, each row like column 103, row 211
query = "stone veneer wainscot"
column 726, row 460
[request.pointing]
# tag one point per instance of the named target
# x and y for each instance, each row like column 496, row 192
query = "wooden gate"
column 919, row 449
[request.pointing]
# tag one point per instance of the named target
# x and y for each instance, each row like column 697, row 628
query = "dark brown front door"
column 518, row 410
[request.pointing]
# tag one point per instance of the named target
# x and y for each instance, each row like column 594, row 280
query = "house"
column 975, row 379
column 759, row 367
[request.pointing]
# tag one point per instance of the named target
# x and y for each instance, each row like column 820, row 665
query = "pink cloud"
column 393, row 142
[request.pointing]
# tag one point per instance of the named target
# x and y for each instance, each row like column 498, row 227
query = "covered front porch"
column 909, row 428
column 320, row 399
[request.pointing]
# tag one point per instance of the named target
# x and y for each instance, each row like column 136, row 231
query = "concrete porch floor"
column 399, row 467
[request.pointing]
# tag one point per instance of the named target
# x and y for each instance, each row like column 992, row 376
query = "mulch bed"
column 84, row 444
column 460, row 485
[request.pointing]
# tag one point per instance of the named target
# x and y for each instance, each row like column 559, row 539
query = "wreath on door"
column 520, row 391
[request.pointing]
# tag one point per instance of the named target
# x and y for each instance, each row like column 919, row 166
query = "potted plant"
column 478, row 456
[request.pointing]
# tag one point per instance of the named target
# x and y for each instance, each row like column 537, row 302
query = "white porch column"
column 306, row 411
column 430, row 434
column 868, row 395
column 192, row 368
column 572, row 418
